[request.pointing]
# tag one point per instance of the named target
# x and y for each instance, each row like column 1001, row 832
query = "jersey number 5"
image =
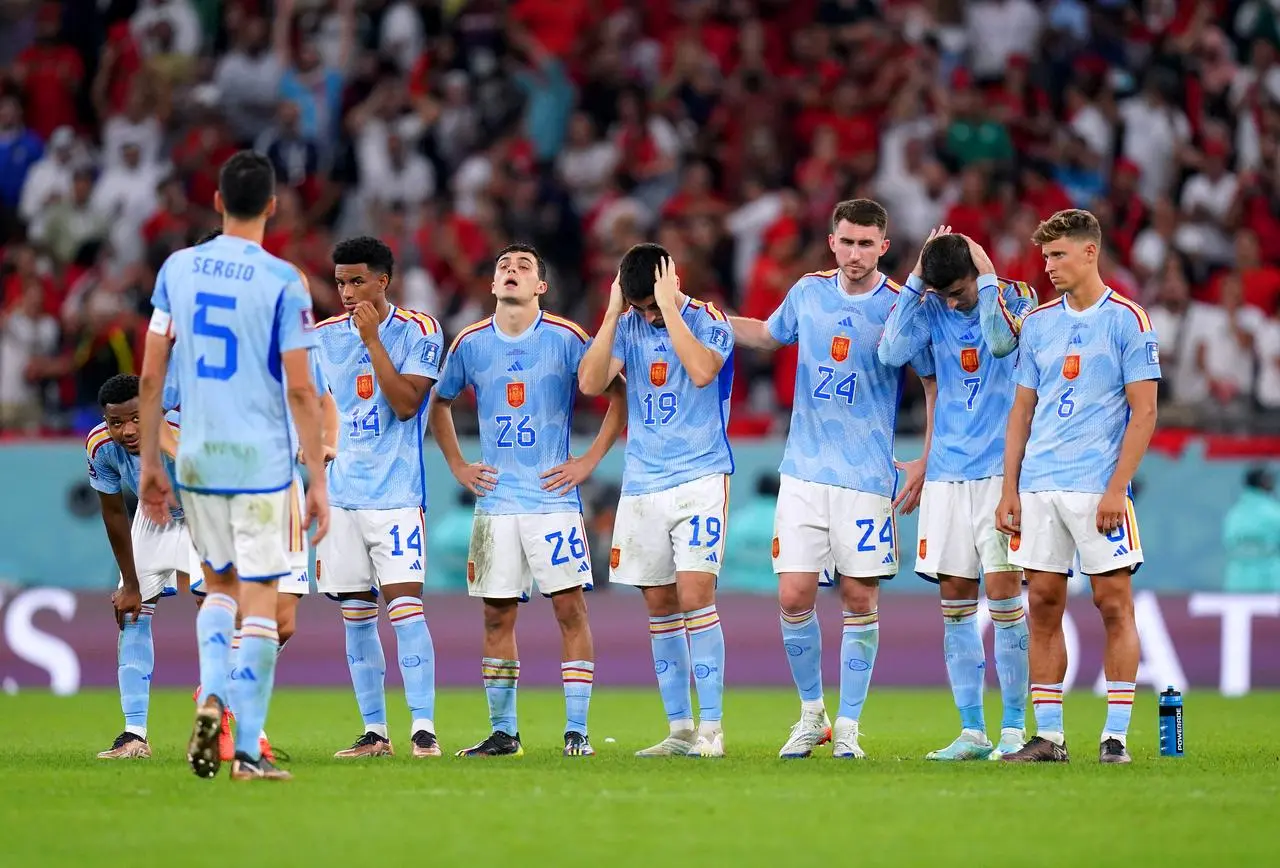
column 205, row 329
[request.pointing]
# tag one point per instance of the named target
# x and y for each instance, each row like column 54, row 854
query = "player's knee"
column 571, row 611
column 499, row 619
column 662, row 601
column 1046, row 604
column 1115, row 605
column 796, row 596
column 285, row 629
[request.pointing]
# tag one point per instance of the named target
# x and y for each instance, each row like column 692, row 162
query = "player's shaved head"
column 637, row 269
column 120, row 389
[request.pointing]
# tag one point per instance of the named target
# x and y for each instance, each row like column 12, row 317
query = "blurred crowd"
column 725, row 129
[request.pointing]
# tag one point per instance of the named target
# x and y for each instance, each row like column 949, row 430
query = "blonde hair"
column 1074, row 223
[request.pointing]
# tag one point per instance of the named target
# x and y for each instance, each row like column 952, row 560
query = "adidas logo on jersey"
column 888, row 559
column 1075, row 340
column 364, row 359
column 515, row 366
column 712, row 559
column 417, row 565
column 583, row 568
column 968, row 336
column 1120, row 550
column 660, row 348
column 847, row 322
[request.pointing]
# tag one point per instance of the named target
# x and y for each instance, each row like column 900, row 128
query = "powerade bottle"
column 1171, row 723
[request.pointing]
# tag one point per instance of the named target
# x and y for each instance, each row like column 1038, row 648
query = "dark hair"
column 365, row 250
column 860, row 212
column 207, row 237
column 945, row 260
column 247, row 182
column 525, row 248
column 635, row 271
column 118, row 390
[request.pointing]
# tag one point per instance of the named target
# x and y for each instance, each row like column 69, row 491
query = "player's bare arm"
column 1009, row 511
column 598, row 367
column 301, row 394
column 404, row 392
column 168, row 441
column 753, row 333
column 1141, row 396
column 904, row 334
column 565, row 477
column 328, row 429
column 127, row 600
column 913, row 485
column 155, row 492
column 478, row 478
column 702, row 363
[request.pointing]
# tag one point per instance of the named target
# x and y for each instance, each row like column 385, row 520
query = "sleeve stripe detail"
column 1046, row 306
column 425, row 319
column 711, row 309
column 98, row 438
column 893, row 285
column 1144, row 323
column 469, row 331
column 333, row 320
column 572, row 326
column 830, row 272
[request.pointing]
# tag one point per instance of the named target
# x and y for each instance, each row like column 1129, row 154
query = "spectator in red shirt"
column 50, row 73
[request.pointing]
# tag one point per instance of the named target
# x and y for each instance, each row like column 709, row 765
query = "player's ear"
column 271, row 208
column 541, row 288
column 217, row 202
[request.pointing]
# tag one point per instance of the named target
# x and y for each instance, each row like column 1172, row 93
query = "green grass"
column 59, row 805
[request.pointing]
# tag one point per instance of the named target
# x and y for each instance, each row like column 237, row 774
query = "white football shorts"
column 248, row 531
column 957, row 530
column 368, row 548
column 299, row 579
column 1055, row 524
column 511, row 553
column 659, row 534
column 817, row 525
column 160, row 552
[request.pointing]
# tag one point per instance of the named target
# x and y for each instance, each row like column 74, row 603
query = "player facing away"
column 523, row 364
column 150, row 556
column 957, row 309
column 1084, row 411
column 839, row 487
column 381, row 362
column 241, row 324
column 669, row 534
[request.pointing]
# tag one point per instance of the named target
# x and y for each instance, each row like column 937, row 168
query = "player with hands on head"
column 954, row 307
column 669, row 534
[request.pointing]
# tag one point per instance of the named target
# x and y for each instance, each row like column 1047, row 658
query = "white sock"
column 1056, row 737
column 422, row 724
column 1118, row 736
column 813, row 706
column 709, row 728
column 378, row 729
column 139, row 731
column 681, row 727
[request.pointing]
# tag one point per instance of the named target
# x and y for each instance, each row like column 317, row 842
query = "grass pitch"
column 61, row 806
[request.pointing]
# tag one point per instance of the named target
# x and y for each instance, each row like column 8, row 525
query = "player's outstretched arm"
column 115, row 518
column 753, row 333
column 155, row 493
column 598, row 367
column 565, row 477
column 478, row 478
column 1009, row 512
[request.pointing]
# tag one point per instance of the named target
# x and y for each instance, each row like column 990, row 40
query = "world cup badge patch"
column 364, row 386
column 969, row 359
column 1071, row 367
column 658, row 373
column 515, row 395
column 840, row 348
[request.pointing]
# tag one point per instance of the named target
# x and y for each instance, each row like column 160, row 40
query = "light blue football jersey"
column 1079, row 362
column 379, row 463
column 113, row 468
column 173, row 395
column 846, row 400
column 525, row 391
column 676, row 432
column 973, row 359
column 232, row 309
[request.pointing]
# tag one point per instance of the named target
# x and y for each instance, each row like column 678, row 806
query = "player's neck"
column 514, row 320
column 858, row 287
column 249, row 230
column 383, row 307
column 1086, row 295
